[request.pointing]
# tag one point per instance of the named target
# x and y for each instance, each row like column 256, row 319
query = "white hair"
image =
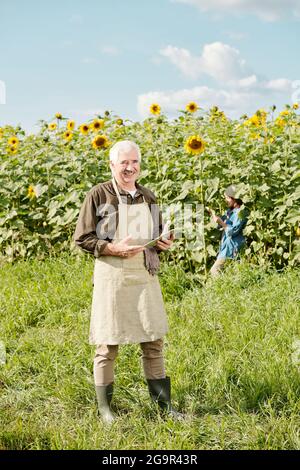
column 123, row 146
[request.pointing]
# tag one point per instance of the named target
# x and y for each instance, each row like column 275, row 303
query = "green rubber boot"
column 104, row 395
column 160, row 392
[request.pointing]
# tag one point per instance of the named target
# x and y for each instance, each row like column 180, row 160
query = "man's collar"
column 123, row 191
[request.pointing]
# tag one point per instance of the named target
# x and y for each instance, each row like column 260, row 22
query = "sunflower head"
column 155, row 109
column 262, row 116
column 100, row 141
column 13, row 141
column 254, row 120
column 195, row 145
column 84, row 129
column 119, row 122
column 68, row 135
column 97, row 124
column 295, row 105
column 31, row 193
column 58, row 116
column 12, row 149
column 70, row 125
column 216, row 114
column 192, row 107
column 280, row 122
column 284, row 113
column 52, row 126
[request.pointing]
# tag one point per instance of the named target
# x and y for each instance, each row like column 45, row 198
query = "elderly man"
column 232, row 223
column 115, row 223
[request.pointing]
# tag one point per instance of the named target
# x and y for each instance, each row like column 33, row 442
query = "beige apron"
column 127, row 304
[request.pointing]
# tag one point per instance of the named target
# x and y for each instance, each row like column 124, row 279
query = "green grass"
column 229, row 354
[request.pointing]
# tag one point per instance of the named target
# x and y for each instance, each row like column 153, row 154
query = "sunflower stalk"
column 202, row 197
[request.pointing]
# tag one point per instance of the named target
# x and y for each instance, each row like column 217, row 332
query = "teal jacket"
column 232, row 238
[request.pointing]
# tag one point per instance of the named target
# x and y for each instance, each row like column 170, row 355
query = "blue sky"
column 80, row 58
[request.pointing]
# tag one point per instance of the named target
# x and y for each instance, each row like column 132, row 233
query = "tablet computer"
column 162, row 235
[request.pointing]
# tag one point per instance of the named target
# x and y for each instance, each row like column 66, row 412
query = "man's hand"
column 166, row 243
column 122, row 249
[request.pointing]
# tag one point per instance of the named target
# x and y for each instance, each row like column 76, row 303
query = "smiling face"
column 127, row 169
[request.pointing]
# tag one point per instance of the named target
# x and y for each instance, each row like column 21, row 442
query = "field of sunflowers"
column 187, row 161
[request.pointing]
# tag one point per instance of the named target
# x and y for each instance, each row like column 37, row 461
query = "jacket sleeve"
column 223, row 217
column 85, row 235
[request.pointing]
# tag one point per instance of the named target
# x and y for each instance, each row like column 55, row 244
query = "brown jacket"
column 98, row 217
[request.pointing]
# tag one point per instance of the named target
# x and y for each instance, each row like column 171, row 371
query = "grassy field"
column 230, row 353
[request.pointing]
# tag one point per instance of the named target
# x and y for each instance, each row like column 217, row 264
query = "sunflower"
column 13, row 141
column 68, row 135
column 31, row 193
column 258, row 119
column 269, row 140
column 284, row 113
column 216, row 114
column 58, row 116
column 195, row 145
column 255, row 136
column 254, row 120
column 280, row 122
column 52, row 126
column 1, row 132
column 192, row 107
column 100, row 141
column 119, row 122
column 84, row 129
column 295, row 105
column 262, row 116
column 246, row 122
column 155, row 109
column 97, row 124
column 70, row 125
column 12, row 149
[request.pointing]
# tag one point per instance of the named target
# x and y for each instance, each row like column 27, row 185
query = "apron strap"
column 117, row 192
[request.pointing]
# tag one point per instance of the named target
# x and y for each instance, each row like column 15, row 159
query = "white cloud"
column 234, row 103
column 219, row 61
column 247, row 82
column 268, row 10
column 280, row 84
column 224, row 64
column 183, row 59
column 2, row 92
column 238, row 89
